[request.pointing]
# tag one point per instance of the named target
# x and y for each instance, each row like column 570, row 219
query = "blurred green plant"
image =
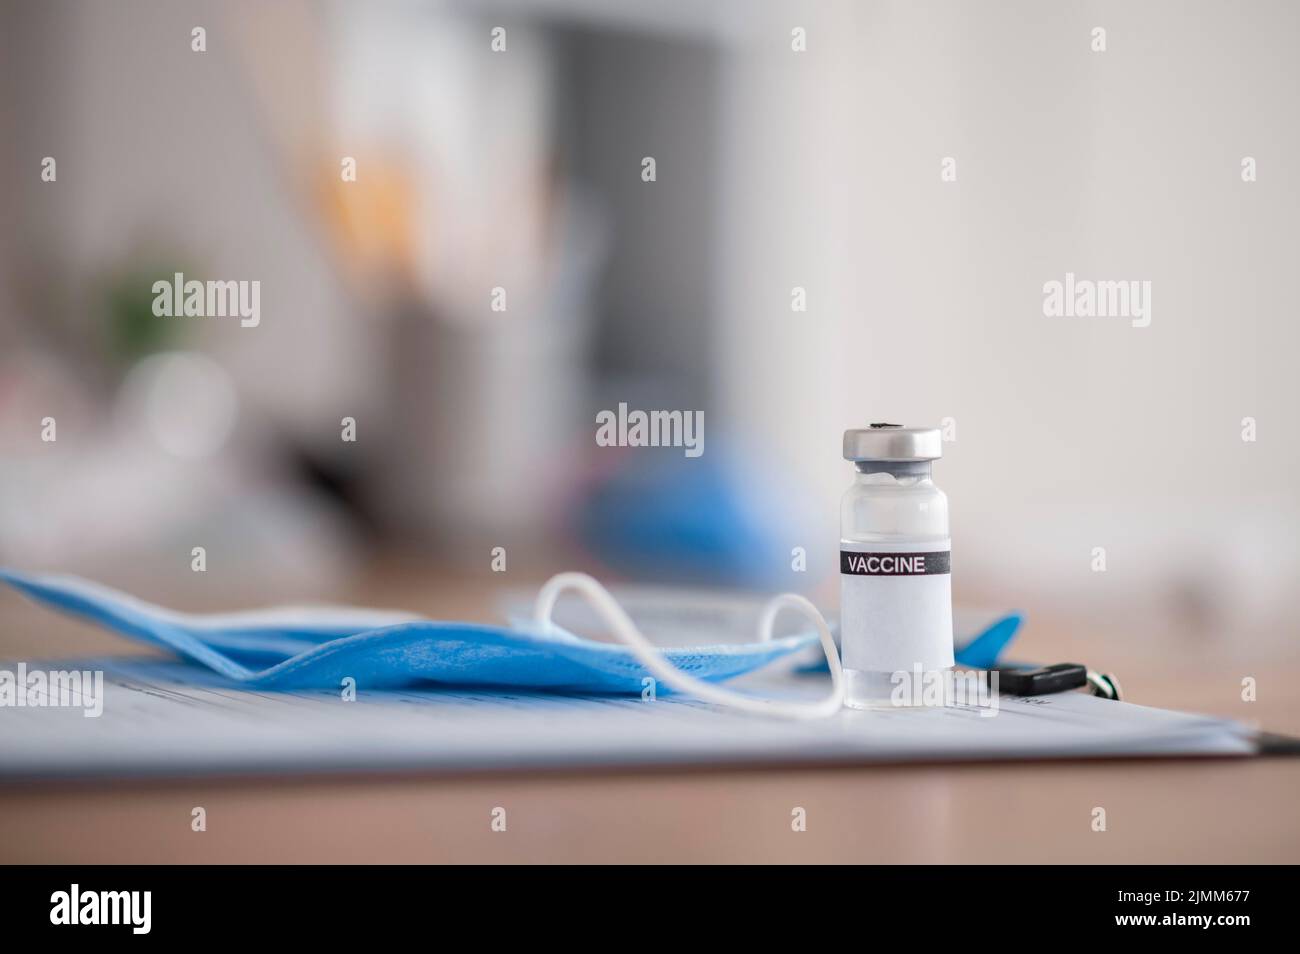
column 133, row 330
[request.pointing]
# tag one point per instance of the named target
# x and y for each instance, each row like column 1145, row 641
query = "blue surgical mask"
column 318, row 648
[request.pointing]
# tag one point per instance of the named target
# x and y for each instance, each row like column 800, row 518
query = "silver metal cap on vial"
column 893, row 442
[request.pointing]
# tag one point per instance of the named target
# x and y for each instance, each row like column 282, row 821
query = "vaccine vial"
column 895, row 582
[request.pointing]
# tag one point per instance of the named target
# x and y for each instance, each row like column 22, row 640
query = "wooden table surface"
column 1184, row 810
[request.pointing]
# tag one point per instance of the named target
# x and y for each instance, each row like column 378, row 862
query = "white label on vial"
column 896, row 606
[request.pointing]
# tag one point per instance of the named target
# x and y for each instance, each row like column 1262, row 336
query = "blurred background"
column 776, row 169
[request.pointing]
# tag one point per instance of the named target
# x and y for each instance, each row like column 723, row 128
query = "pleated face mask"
column 317, row 648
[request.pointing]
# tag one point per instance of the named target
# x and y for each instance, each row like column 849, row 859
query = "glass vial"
column 895, row 582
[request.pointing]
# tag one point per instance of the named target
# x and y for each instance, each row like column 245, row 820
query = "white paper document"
column 165, row 717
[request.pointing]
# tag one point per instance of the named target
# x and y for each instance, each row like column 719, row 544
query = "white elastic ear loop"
column 625, row 630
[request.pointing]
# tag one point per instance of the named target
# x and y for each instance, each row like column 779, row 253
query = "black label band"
column 894, row 564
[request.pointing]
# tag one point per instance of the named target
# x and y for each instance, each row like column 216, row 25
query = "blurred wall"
column 925, row 297
column 137, row 122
